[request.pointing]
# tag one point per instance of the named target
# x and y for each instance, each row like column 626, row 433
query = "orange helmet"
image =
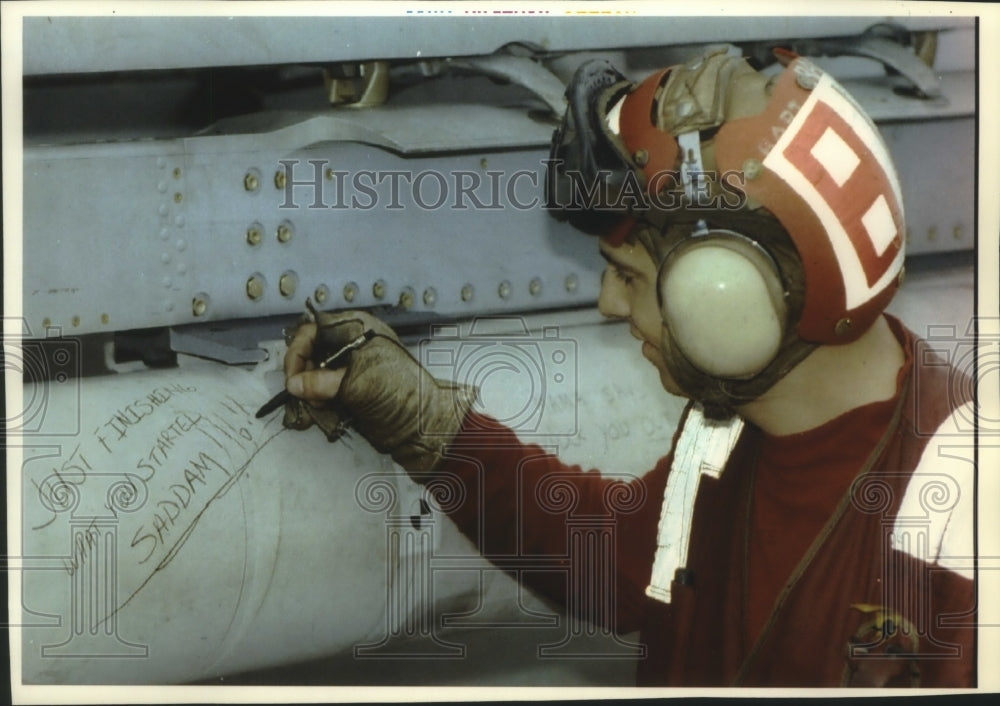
column 711, row 158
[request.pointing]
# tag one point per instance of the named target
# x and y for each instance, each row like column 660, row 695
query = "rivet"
column 199, row 305
column 321, row 294
column 535, row 287
column 504, row 289
column 378, row 289
column 807, row 81
column 288, row 283
column 179, row 221
column 751, row 168
column 279, row 179
column 641, row 157
column 957, row 232
column 105, row 318
column 177, row 172
column 164, row 233
column 284, row 232
column 350, row 291
column 165, row 258
column 467, row 293
column 76, row 321
column 163, row 210
column 571, row 283
column 182, row 269
column 430, row 296
column 406, row 299
column 254, row 234
column 161, row 162
column 255, row 287
column 46, row 322
column 181, row 244
column 178, row 197
column 842, row 327
column 162, row 187
column 329, row 173
column 483, row 163
column 932, row 234
column 251, row 182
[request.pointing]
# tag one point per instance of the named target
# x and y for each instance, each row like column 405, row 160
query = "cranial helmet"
column 770, row 205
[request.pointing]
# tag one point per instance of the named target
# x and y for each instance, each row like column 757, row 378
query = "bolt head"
column 807, row 81
column 752, row 168
column 287, row 284
column 255, row 287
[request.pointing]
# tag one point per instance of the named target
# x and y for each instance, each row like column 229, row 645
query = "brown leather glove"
column 385, row 394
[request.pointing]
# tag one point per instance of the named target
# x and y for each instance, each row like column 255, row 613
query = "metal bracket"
column 895, row 57
column 357, row 85
column 235, row 345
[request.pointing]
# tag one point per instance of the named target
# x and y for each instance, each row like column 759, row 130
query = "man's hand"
column 383, row 392
column 302, row 378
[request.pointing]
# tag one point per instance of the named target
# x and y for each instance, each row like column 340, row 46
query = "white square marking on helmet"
column 836, row 156
column 879, row 224
column 858, row 289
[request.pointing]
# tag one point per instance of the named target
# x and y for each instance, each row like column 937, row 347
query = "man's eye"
column 623, row 276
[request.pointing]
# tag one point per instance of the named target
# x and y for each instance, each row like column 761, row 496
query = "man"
column 753, row 232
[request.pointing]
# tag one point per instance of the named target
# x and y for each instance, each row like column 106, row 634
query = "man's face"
column 628, row 291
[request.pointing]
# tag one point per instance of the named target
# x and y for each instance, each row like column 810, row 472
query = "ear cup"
column 723, row 304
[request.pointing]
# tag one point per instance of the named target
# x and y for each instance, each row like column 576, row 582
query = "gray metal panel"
column 936, row 161
column 129, row 235
column 128, row 244
column 92, row 44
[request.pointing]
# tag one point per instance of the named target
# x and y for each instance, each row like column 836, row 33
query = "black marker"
column 334, row 361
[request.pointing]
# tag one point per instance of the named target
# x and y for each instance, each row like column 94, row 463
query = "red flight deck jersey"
column 837, row 557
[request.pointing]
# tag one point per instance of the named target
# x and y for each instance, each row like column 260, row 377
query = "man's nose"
column 611, row 302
